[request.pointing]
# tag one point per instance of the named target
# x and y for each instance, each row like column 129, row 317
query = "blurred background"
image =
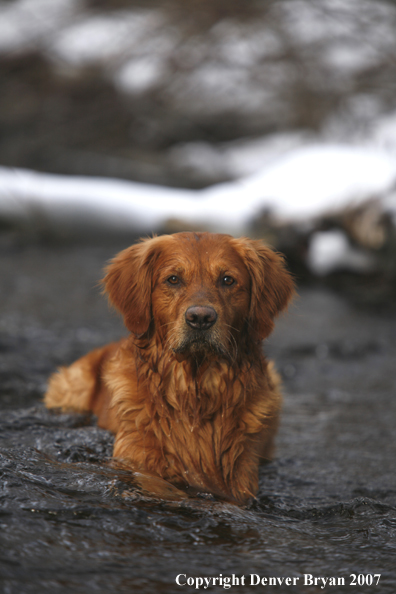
column 272, row 118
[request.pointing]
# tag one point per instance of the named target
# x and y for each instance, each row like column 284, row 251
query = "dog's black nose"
column 201, row 317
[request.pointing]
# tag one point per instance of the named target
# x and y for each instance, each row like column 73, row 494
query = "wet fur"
column 197, row 408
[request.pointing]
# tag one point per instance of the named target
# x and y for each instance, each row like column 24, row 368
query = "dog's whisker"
column 168, row 324
column 232, row 327
column 234, row 347
column 171, row 339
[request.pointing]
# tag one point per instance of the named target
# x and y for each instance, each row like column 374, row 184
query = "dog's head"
column 200, row 292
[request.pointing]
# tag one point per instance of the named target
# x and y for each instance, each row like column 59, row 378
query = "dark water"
column 72, row 523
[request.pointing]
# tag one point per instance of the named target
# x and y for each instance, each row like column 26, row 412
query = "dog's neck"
column 195, row 388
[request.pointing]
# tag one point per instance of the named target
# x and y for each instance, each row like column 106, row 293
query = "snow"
column 103, row 38
column 313, row 179
column 139, row 75
column 305, row 183
column 330, row 251
column 24, row 23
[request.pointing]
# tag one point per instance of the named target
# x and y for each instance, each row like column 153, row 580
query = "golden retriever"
column 189, row 394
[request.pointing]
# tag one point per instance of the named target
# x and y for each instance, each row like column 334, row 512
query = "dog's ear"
column 128, row 282
column 272, row 285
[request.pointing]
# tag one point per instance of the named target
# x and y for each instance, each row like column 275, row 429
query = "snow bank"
column 300, row 185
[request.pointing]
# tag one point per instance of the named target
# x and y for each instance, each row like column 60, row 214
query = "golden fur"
column 189, row 394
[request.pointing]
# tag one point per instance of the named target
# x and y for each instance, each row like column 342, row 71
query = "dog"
column 189, row 394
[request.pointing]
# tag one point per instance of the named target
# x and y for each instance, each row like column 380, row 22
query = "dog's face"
column 200, row 292
column 201, row 295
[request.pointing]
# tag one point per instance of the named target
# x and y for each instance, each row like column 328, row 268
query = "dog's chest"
column 184, row 426
column 200, row 424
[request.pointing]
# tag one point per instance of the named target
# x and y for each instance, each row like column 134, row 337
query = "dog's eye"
column 173, row 280
column 227, row 280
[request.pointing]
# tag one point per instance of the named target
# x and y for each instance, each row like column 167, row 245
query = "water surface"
column 72, row 523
